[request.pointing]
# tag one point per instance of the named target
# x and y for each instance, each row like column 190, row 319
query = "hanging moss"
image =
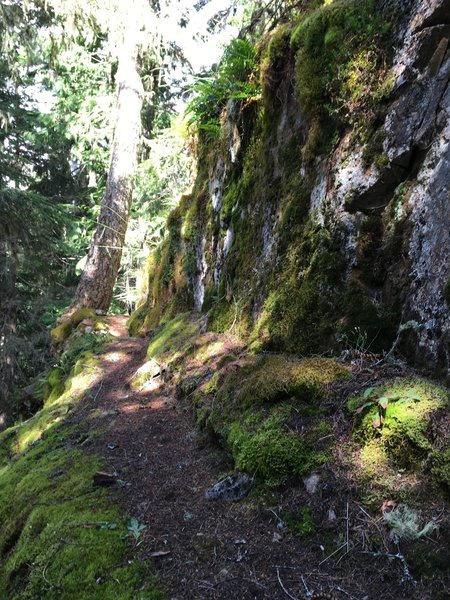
column 192, row 234
column 304, row 322
column 273, row 61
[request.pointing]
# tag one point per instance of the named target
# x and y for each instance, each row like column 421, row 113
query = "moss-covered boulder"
column 268, row 379
column 267, row 410
column 403, row 442
column 174, row 339
column 61, row 332
column 149, row 370
column 269, row 446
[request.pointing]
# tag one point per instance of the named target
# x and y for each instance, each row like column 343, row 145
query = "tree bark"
column 8, row 344
column 95, row 289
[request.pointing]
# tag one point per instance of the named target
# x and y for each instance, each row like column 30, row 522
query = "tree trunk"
column 8, row 341
column 95, row 289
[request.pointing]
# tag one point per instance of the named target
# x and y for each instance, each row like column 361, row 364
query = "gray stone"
column 149, row 370
column 231, row 489
column 311, row 483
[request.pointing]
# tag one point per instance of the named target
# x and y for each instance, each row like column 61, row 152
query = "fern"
column 232, row 80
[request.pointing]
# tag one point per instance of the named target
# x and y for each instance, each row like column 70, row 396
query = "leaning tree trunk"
column 95, row 289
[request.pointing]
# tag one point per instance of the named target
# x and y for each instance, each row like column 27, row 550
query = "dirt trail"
column 206, row 549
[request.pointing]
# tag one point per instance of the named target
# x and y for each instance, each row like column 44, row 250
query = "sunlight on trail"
column 114, row 357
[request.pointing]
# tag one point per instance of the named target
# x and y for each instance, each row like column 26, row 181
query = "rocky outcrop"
column 324, row 225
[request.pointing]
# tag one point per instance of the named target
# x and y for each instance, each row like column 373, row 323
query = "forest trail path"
column 201, row 549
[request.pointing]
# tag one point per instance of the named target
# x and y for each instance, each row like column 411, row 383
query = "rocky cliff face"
column 320, row 218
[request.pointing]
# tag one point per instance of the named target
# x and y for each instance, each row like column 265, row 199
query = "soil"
column 217, row 550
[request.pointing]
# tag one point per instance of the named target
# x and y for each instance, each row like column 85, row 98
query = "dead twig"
column 333, row 553
column 347, row 528
column 375, row 523
column 307, row 591
column 283, row 588
column 98, row 391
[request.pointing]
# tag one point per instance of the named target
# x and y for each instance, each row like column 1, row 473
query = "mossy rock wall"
column 305, row 237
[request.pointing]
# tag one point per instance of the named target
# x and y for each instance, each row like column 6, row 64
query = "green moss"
column 340, row 65
column 85, row 361
column 60, row 333
column 429, row 561
column 295, row 206
column 301, row 524
column 268, row 383
column 54, row 384
column 212, row 385
column 373, row 148
column 440, row 470
column 340, row 52
column 374, row 462
column 259, row 409
column 279, row 43
column 174, row 338
column 273, row 378
column 60, row 537
column 230, row 199
column 192, row 233
column 222, row 316
column 273, row 60
column 136, row 320
column 148, row 370
column 304, row 322
column 86, row 344
column 55, row 377
column 266, row 450
column 166, row 285
column 403, row 441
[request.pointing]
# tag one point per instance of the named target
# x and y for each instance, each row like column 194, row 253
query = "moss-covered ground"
column 60, row 536
column 331, row 447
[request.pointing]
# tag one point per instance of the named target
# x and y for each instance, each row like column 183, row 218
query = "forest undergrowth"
column 339, row 503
